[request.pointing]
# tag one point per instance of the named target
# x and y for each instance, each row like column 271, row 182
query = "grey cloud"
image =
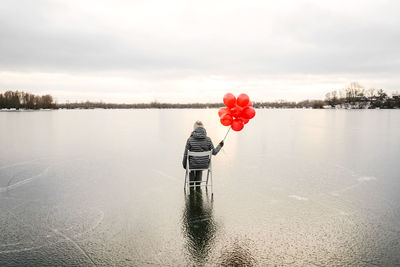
column 308, row 40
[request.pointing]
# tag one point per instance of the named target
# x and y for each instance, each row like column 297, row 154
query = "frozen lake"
column 105, row 187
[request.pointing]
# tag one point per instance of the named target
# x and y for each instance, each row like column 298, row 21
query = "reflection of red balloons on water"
column 238, row 111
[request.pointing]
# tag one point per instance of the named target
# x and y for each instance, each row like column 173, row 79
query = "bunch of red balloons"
column 238, row 111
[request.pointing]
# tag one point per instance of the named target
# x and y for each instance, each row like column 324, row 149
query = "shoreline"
column 178, row 108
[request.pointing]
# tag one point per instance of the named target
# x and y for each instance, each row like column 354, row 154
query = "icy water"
column 105, row 187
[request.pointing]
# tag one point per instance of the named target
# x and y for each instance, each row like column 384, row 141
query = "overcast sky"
column 196, row 51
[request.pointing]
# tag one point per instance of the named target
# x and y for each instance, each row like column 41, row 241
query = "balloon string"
column 227, row 133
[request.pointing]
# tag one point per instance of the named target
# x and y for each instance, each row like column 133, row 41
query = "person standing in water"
column 199, row 142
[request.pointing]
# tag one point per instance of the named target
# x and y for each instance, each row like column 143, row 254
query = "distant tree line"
column 157, row 105
column 352, row 96
column 287, row 104
column 22, row 100
column 356, row 96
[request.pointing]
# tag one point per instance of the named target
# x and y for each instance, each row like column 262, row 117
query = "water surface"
column 105, row 187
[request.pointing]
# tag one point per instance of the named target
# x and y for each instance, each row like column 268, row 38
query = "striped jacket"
column 199, row 142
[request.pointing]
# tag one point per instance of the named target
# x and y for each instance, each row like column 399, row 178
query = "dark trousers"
column 195, row 176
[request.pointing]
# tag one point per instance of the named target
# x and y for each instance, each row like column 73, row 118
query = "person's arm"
column 187, row 147
column 217, row 149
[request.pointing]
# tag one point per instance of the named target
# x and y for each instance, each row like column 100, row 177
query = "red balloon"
column 223, row 111
column 226, row 119
column 243, row 100
column 248, row 113
column 236, row 111
column 237, row 125
column 245, row 121
column 229, row 100
column 250, row 104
